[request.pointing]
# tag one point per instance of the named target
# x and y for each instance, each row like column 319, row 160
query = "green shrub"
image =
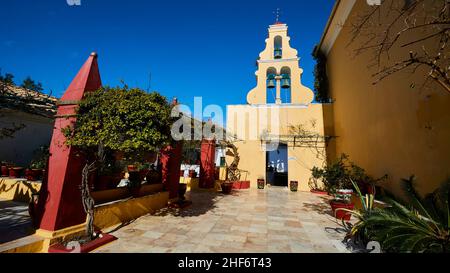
column 419, row 225
column 122, row 119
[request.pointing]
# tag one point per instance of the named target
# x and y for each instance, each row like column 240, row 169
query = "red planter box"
column 241, row 185
column 340, row 214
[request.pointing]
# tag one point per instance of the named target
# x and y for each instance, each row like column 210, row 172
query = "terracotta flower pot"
column 340, row 214
column 227, row 187
column 15, row 172
column 261, row 184
column 33, row 174
column 181, row 173
column 293, row 186
column 5, row 171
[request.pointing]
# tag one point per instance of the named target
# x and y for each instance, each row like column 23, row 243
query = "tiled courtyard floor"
column 274, row 220
column 15, row 221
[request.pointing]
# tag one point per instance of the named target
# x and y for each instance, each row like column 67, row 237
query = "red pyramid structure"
column 60, row 204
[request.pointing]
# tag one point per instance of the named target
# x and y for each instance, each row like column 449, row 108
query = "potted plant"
column 143, row 170
column 293, row 185
column 5, row 169
column 342, row 204
column 16, row 172
column 181, row 173
column 313, row 183
column 227, row 186
column 38, row 164
column 261, row 183
column 33, row 174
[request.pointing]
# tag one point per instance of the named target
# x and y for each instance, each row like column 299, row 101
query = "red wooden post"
column 60, row 204
column 207, row 164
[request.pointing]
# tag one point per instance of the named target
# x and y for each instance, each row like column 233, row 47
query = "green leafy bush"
column 122, row 119
column 341, row 174
column 40, row 159
column 419, row 225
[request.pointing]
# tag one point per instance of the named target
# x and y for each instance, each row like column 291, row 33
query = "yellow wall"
column 249, row 122
column 252, row 154
column 18, row 190
column 121, row 212
column 299, row 93
column 388, row 128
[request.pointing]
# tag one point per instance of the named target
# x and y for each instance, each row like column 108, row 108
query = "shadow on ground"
column 322, row 207
column 202, row 202
column 15, row 222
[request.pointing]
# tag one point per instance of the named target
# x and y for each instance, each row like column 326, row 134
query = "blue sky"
column 191, row 48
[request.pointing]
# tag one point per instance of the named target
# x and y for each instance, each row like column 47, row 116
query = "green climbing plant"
column 321, row 83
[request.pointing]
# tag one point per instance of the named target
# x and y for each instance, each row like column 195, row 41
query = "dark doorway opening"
column 277, row 166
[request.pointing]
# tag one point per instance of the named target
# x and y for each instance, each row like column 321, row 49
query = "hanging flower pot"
column 261, row 183
column 293, row 186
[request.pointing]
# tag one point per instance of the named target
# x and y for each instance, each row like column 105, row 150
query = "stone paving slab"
column 15, row 222
column 273, row 220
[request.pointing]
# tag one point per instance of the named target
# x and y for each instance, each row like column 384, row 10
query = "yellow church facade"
column 267, row 128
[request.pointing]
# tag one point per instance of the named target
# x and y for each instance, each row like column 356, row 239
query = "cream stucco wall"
column 388, row 128
column 37, row 132
column 251, row 149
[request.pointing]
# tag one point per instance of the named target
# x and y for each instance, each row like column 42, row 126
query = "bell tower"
column 279, row 75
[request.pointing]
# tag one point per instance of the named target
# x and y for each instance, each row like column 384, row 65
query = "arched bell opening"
column 285, row 85
column 278, row 48
column 271, row 85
